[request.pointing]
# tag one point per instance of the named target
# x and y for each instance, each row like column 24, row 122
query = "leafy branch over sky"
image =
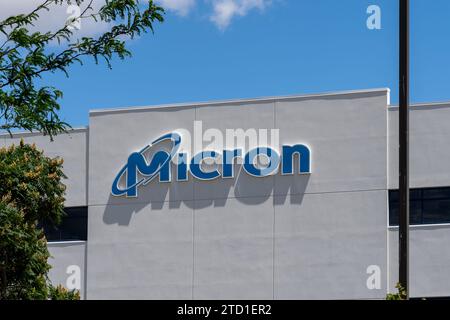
column 26, row 56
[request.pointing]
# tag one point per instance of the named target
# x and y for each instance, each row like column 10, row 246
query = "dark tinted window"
column 436, row 211
column 436, row 193
column 427, row 206
column 73, row 226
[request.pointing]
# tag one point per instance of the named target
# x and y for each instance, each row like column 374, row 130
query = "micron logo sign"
column 154, row 161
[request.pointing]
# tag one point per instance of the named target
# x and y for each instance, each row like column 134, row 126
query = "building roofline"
column 23, row 134
column 426, row 104
column 244, row 100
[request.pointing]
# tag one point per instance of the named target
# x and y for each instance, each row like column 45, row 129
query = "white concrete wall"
column 68, row 261
column 429, row 146
column 244, row 238
column 279, row 237
column 429, row 260
column 429, row 161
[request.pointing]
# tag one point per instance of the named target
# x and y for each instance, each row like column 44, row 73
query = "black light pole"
column 404, row 148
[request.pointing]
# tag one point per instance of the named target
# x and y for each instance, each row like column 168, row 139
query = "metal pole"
column 404, row 148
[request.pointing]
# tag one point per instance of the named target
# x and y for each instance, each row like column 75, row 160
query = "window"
column 427, row 206
column 73, row 226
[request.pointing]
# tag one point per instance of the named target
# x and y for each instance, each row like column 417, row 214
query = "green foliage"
column 23, row 256
column 26, row 56
column 400, row 295
column 33, row 182
column 61, row 293
column 31, row 191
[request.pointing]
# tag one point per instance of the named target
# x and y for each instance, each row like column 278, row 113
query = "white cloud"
column 181, row 7
column 225, row 10
column 55, row 18
column 220, row 12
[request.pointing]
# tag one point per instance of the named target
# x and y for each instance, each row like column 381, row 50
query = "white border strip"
column 419, row 226
column 67, row 242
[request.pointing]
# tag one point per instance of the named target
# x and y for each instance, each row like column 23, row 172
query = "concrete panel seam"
column 237, row 198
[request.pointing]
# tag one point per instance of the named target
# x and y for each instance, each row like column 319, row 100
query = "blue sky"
column 281, row 48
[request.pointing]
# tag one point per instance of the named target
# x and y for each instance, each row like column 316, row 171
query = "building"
column 326, row 233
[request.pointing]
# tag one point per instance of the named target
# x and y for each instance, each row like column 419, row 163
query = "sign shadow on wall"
column 244, row 188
